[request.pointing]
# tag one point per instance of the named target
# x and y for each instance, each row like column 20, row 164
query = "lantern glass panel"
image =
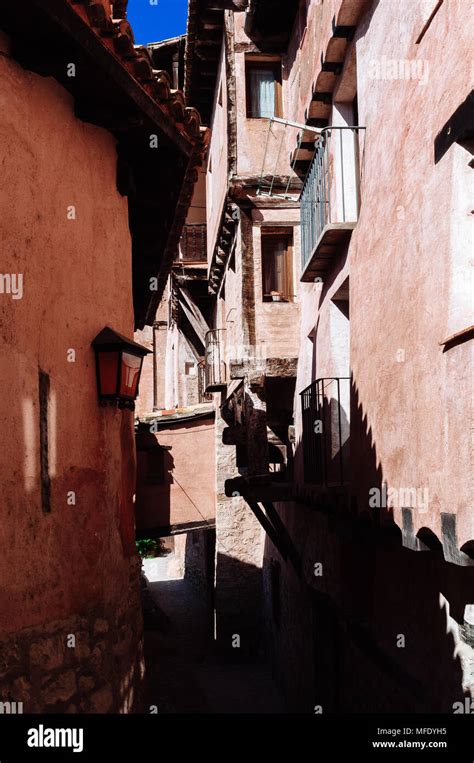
column 108, row 371
column 131, row 365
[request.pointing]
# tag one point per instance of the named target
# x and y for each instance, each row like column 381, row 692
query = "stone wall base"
column 89, row 663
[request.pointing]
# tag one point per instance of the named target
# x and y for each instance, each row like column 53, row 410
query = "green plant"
column 148, row 548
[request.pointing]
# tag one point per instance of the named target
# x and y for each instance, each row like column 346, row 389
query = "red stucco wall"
column 74, row 561
column 187, row 495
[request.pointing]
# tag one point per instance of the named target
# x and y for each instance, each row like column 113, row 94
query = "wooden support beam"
column 284, row 536
column 268, row 527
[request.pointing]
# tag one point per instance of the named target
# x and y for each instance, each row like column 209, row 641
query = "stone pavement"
column 183, row 673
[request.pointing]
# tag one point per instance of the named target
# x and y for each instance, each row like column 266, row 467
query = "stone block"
column 60, row 689
column 101, row 626
column 21, row 690
column 10, row 656
column 101, row 700
column 86, row 683
column 48, row 653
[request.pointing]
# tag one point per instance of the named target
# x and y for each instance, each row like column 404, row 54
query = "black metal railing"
column 215, row 367
column 330, row 193
column 325, row 407
column 193, row 244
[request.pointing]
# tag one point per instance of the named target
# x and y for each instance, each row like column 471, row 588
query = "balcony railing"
column 325, row 406
column 193, row 245
column 330, row 199
column 215, row 368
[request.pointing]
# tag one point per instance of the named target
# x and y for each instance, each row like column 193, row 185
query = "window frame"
column 269, row 234
column 253, row 63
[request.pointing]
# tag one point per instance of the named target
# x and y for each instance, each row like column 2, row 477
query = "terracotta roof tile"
column 117, row 35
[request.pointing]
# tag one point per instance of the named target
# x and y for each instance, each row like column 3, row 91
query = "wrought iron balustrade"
column 329, row 202
column 325, row 408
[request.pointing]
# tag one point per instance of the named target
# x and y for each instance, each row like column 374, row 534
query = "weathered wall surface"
column 324, row 343
column 239, row 552
column 408, row 245
column 195, row 551
column 197, row 210
column 408, row 256
column 184, row 493
column 303, row 59
column 144, row 402
column 375, row 613
column 252, row 133
column 407, row 265
column 216, row 183
column 89, row 584
column 276, row 323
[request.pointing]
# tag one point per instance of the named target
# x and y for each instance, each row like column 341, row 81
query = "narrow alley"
column 184, row 672
column 236, row 371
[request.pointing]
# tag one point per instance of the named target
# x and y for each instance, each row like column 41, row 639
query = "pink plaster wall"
column 144, row 403
column 217, row 161
column 408, row 265
column 252, row 134
column 76, row 280
column 405, row 252
column 197, row 210
column 276, row 323
column 188, row 494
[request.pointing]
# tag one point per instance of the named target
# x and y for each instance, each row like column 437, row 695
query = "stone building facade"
column 79, row 215
column 235, row 314
column 382, row 522
column 344, row 531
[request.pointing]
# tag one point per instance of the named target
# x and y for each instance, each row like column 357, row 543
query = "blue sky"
column 157, row 20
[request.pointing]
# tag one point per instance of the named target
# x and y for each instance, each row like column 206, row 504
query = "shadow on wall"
column 367, row 631
column 238, row 607
column 74, row 577
column 199, row 564
column 235, row 603
column 155, row 466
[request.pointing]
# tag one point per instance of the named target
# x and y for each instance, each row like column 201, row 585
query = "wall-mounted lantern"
column 118, row 365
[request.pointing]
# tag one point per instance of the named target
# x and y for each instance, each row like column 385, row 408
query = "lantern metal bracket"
column 115, row 393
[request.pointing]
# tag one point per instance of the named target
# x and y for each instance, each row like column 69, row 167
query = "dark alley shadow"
column 186, row 672
column 155, row 466
column 368, row 634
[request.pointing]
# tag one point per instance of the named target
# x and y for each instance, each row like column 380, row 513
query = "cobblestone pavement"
column 183, row 673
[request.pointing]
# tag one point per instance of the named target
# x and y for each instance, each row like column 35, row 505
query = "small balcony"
column 329, row 200
column 215, row 366
column 193, row 245
column 325, row 407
